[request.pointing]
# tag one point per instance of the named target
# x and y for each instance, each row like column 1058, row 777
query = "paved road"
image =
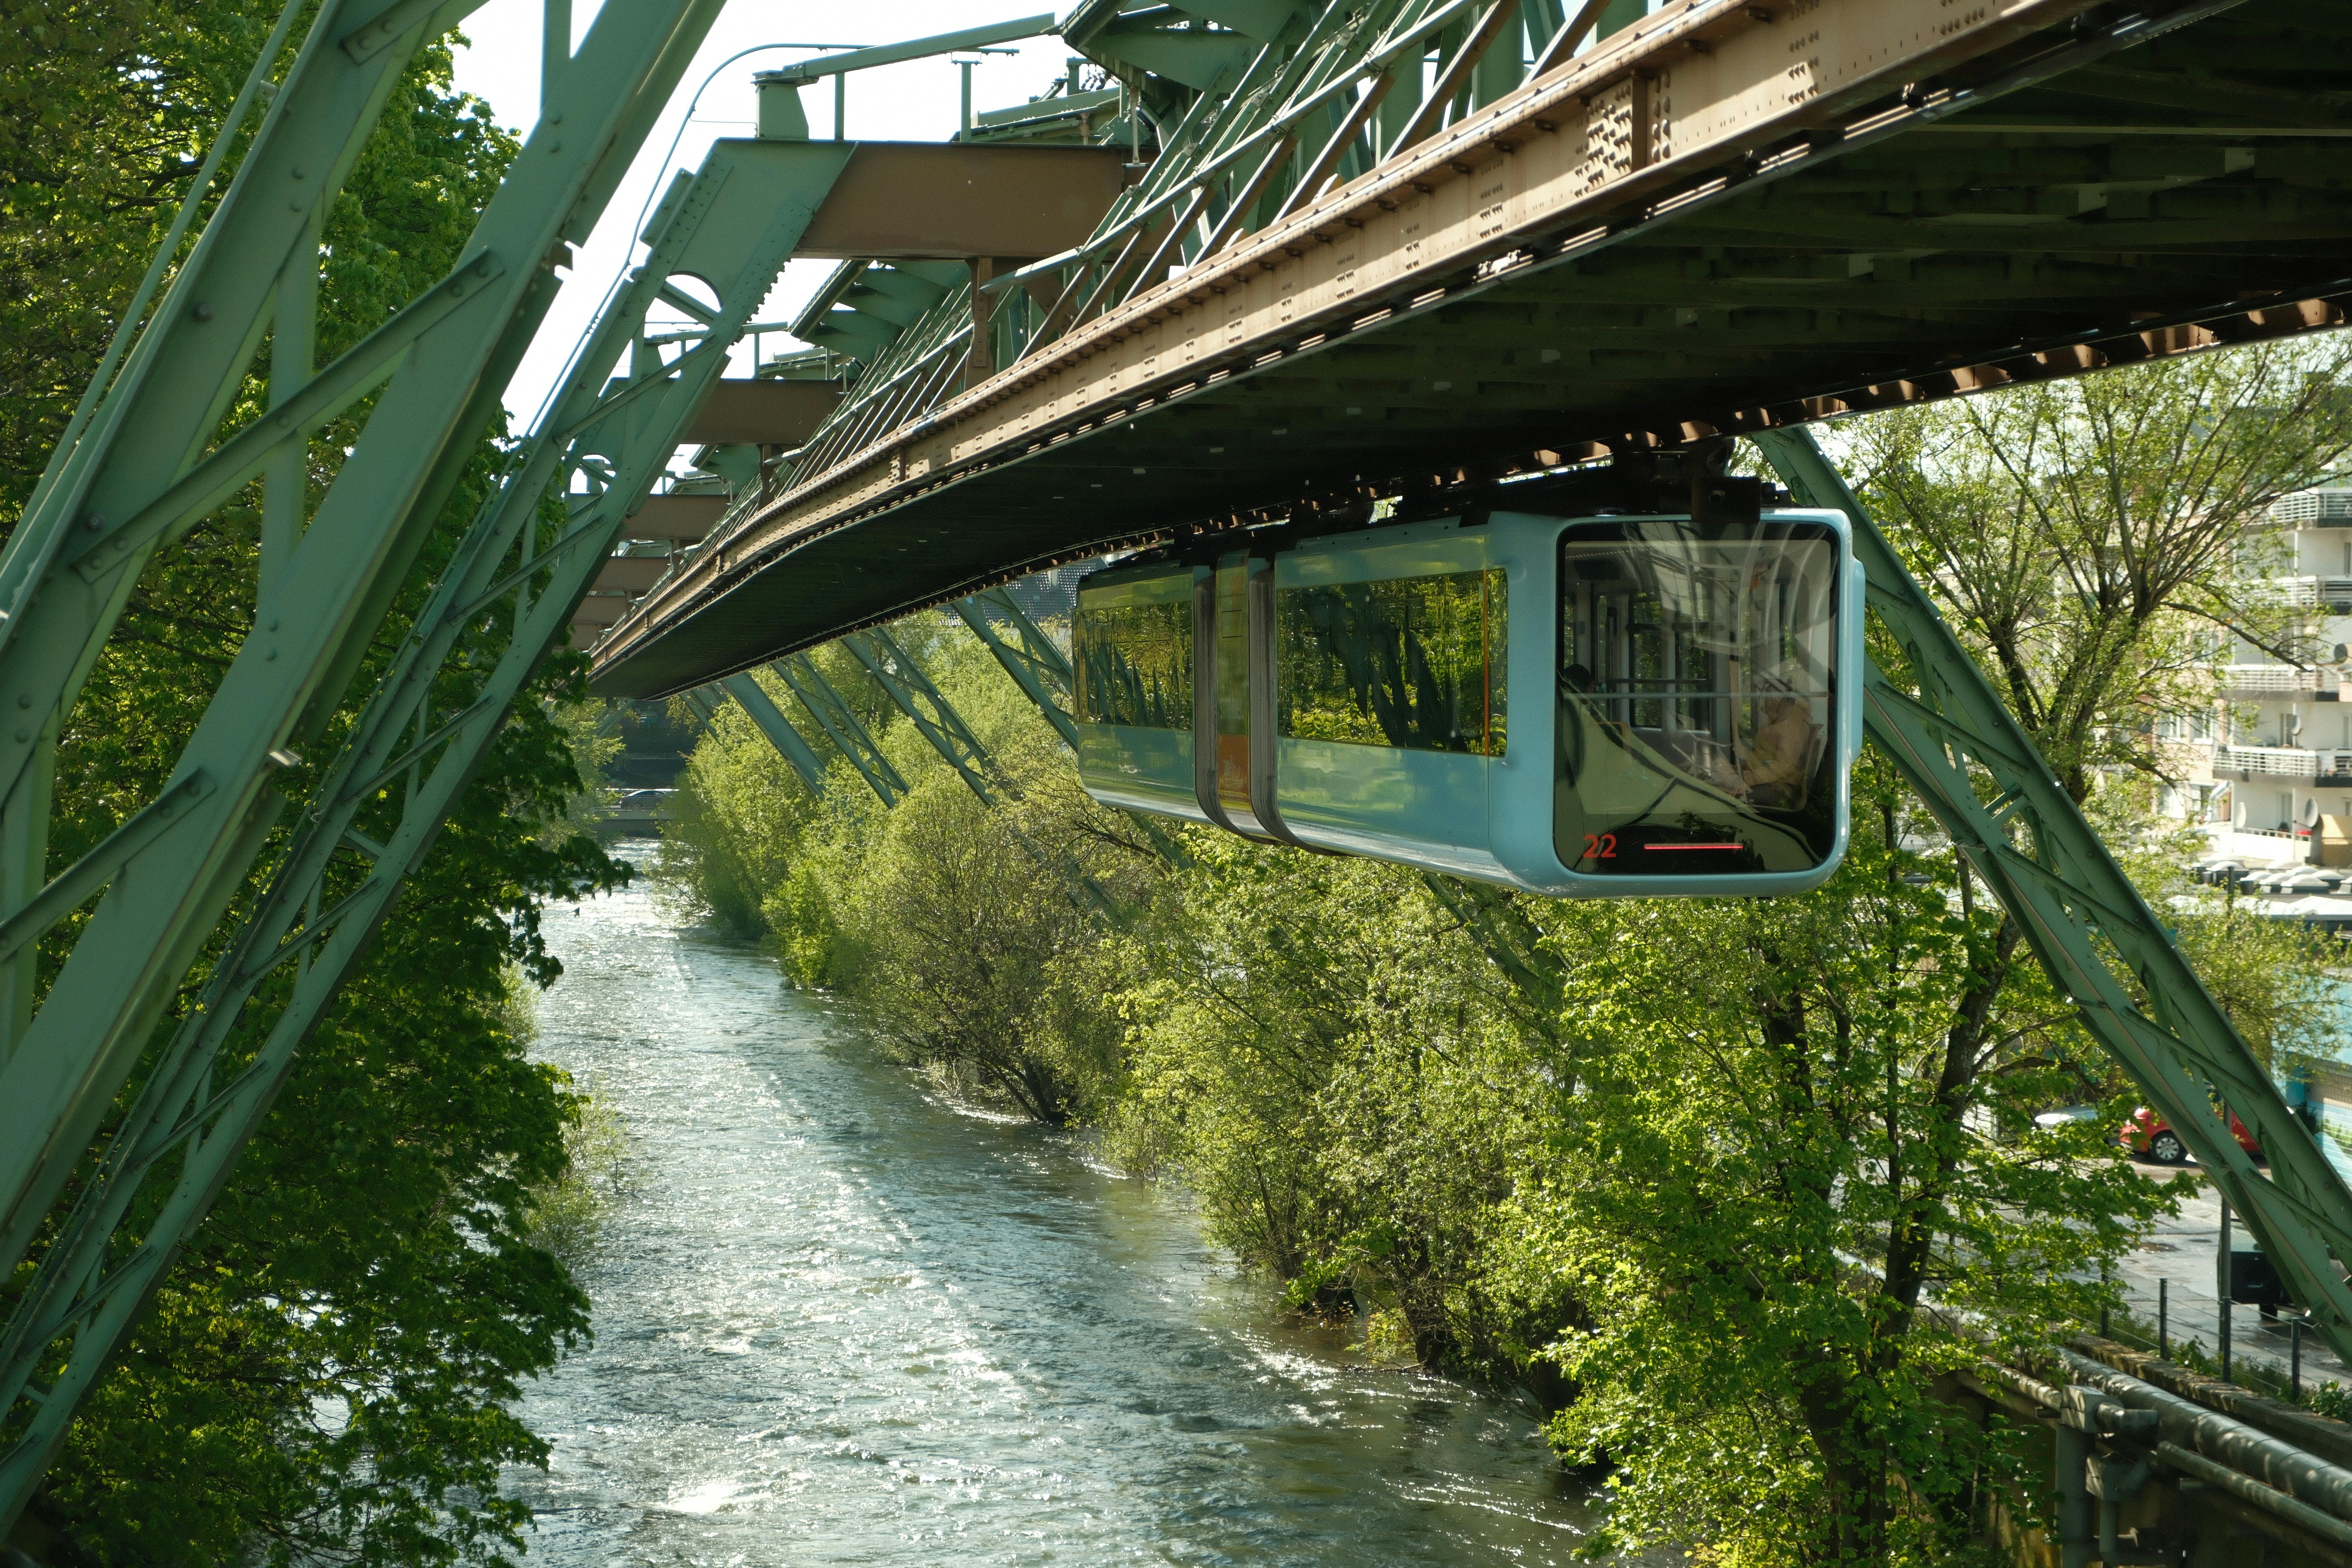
column 2182, row 1250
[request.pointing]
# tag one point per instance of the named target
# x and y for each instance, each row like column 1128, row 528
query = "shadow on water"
column 838, row 1322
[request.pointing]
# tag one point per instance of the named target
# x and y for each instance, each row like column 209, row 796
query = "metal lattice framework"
column 1721, row 218
column 141, row 468
column 1377, row 245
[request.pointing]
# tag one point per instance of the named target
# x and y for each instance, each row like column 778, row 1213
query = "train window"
column 1133, row 644
column 1416, row 663
column 1698, row 697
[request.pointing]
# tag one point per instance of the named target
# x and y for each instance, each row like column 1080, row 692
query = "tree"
column 1797, row 1147
column 1326, row 1056
column 1736, row 1195
column 966, row 937
column 1803, row 1129
column 2089, row 536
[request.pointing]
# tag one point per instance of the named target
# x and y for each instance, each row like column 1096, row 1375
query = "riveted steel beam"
column 934, row 719
column 1222, row 393
column 1029, row 657
column 314, row 623
column 842, row 727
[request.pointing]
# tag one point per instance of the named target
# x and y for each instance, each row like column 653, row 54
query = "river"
column 840, row 1321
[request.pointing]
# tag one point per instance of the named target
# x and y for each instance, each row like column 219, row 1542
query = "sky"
column 916, row 101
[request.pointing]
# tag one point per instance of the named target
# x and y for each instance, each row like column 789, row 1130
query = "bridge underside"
column 2055, row 202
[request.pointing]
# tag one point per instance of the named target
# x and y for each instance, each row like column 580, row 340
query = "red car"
column 2149, row 1134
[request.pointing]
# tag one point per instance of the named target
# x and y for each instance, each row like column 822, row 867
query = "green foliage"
column 593, row 744
column 1800, row 1145
column 967, row 936
column 737, row 810
column 565, row 1214
column 1327, row 1057
column 2269, row 976
column 1734, row 1187
column 326, row 1371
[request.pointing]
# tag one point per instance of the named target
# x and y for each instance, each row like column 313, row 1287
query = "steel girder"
column 1978, row 770
column 731, row 226
column 770, row 721
column 141, row 474
column 1750, row 279
column 934, row 719
column 1029, row 657
column 1042, row 673
column 842, row 726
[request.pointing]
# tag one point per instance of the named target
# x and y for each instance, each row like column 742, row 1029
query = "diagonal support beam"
column 919, row 701
column 316, row 622
column 98, row 867
column 196, row 494
column 770, row 721
column 842, row 727
column 2077, row 908
column 1042, row 673
column 1036, row 665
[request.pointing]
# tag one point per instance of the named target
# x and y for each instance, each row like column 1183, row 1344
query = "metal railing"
column 2278, row 762
column 2310, row 593
column 2268, row 678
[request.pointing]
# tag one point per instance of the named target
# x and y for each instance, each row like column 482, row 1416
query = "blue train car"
column 1613, row 705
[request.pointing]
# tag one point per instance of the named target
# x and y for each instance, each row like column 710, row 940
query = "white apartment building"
column 2275, row 756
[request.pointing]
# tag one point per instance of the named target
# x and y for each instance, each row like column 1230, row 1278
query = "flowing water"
column 840, row 1321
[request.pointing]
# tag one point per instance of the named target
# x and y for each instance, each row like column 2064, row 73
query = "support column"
column 23, row 870
column 980, row 363
column 293, row 350
column 554, row 47
column 2106, row 953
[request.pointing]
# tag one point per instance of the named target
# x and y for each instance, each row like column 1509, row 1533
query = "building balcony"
column 2323, row 507
column 2333, row 593
column 2281, row 762
column 2268, row 680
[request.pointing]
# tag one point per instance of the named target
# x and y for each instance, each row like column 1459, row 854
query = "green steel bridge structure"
column 1262, row 259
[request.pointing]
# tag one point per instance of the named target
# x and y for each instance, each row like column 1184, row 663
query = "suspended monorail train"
column 1596, row 706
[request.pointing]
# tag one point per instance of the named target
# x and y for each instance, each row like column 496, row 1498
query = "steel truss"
column 508, row 592
column 143, row 464
column 842, row 727
column 935, row 718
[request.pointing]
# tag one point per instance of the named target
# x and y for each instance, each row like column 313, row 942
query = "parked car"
column 2150, row 1136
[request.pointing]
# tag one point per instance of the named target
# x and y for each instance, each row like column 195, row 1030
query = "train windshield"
column 1697, row 669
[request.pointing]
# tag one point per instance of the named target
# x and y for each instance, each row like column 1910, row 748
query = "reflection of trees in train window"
column 1693, row 671
column 1411, row 662
column 1134, row 664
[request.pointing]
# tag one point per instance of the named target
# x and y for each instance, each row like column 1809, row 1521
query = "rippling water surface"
column 840, row 1323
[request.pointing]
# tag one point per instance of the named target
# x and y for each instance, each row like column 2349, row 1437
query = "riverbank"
column 838, row 1320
